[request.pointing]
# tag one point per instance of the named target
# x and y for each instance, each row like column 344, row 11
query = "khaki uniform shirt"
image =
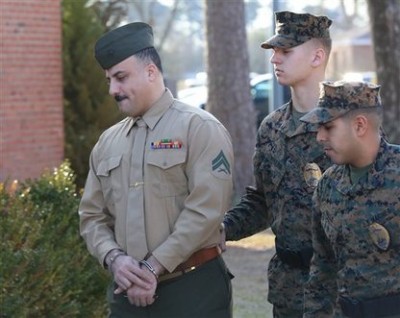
column 356, row 235
column 186, row 188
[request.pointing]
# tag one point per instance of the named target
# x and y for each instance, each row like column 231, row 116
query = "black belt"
column 370, row 308
column 299, row 259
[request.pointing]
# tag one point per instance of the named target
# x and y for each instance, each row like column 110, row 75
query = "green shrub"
column 46, row 270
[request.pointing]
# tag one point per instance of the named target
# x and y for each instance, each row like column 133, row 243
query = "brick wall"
column 31, row 109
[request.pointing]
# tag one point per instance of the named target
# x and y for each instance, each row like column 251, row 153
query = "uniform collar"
column 290, row 126
column 156, row 111
column 373, row 179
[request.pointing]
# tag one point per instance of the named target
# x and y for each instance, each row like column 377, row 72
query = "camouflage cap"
column 338, row 98
column 120, row 43
column 293, row 29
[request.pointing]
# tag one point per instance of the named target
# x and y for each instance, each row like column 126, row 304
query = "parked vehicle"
column 194, row 96
column 260, row 88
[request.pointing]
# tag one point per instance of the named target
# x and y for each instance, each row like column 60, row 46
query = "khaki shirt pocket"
column 110, row 175
column 166, row 172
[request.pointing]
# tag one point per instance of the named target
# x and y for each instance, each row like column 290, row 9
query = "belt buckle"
column 176, row 274
column 187, row 270
column 189, row 266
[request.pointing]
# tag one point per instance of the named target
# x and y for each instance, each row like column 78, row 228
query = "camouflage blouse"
column 286, row 151
column 356, row 234
column 287, row 164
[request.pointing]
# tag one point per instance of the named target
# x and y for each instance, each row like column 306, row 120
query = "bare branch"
column 169, row 25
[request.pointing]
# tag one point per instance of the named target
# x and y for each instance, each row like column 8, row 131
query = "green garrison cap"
column 293, row 29
column 120, row 43
column 338, row 98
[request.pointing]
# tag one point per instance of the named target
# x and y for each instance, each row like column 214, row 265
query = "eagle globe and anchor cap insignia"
column 220, row 165
column 380, row 236
column 312, row 174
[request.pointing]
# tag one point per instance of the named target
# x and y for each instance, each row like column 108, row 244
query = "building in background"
column 352, row 56
column 31, row 100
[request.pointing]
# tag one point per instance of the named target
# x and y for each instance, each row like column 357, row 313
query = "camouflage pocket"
column 330, row 228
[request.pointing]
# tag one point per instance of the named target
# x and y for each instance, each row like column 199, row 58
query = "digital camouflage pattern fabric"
column 292, row 29
column 356, row 235
column 338, row 98
column 281, row 198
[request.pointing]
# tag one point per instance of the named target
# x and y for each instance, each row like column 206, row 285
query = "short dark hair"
column 150, row 55
column 326, row 44
column 374, row 113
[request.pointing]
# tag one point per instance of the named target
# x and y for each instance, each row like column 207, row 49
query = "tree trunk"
column 229, row 97
column 385, row 24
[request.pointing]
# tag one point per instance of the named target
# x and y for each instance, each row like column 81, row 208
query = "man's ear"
column 319, row 57
column 152, row 71
column 360, row 125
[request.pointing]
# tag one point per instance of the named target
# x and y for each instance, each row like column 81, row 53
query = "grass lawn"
column 248, row 261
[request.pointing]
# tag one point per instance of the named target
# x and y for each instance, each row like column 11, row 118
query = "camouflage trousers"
column 286, row 288
column 284, row 312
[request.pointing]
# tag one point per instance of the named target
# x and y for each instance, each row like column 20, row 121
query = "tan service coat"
column 186, row 190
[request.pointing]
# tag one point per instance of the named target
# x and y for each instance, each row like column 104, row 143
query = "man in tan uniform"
column 159, row 183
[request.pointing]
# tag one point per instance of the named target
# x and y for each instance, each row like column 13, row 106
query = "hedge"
column 46, row 270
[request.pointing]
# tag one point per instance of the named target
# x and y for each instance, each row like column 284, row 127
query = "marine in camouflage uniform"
column 287, row 165
column 356, row 219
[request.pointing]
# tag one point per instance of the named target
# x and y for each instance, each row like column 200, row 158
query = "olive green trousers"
column 205, row 292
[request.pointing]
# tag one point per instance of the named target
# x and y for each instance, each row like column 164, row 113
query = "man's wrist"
column 158, row 268
column 112, row 256
column 150, row 267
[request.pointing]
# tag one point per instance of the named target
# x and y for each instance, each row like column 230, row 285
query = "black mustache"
column 119, row 98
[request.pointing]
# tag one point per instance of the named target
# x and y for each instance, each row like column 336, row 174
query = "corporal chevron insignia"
column 221, row 164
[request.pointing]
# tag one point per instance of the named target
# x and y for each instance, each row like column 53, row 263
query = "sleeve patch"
column 220, row 164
